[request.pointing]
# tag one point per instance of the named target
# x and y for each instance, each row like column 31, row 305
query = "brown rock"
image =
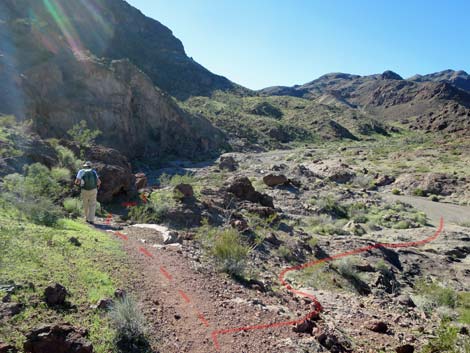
column 407, row 348
column 377, row 326
column 7, row 348
column 304, row 327
column 10, row 309
column 120, row 293
column 275, row 180
column 228, row 163
column 186, row 190
column 240, row 224
column 55, row 294
column 406, row 300
column 105, row 304
column 62, row 338
column 242, row 188
column 140, row 181
column 384, row 180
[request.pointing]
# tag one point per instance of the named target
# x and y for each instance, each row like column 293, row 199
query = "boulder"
column 275, row 179
column 184, row 190
column 242, row 188
column 377, row 326
column 55, row 294
column 333, row 170
column 141, row 181
column 62, row 338
column 7, row 348
column 115, row 173
column 384, row 180
column 228, row 163
column 405, row 300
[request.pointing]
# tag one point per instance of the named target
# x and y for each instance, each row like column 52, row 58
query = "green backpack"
column 90, row 180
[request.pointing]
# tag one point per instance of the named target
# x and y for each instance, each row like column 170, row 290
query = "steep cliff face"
column 47, row 76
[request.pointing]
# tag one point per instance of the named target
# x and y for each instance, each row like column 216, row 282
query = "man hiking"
column 89, row 181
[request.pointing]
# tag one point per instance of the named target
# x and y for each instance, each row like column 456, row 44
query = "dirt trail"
column 185, row 304
column 435, row 210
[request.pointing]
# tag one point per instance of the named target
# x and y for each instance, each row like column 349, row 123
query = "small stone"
column 120, row 293
column 306, row 326
column 105, row 304
column 407, row 348
column 75, row 241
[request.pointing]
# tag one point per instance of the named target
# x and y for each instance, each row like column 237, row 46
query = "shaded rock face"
column 185, row 190
column 58, row 339
column 57, row 86
column 122, row 31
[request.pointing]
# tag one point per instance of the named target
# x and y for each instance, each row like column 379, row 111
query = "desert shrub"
column 129, row 323
column 39, row 210
column 329, row 205
column 230, row 252
column 434, row 198
column 173, row 180
column 445, row 340
column 37, row 181
column 405, row 224
column 73, row 206
column 284, row 252
column 7, row 121
column 419, row 192
column 396, row 192
column 81, row 134
column 60, row 174
column 436, row 295
column 155, row 210
column 67, row 158
column 363, row 181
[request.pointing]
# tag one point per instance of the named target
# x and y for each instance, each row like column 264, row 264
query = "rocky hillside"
column 51, row 72
column 438, row 102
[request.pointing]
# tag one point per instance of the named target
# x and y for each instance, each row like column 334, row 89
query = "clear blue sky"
column 260, row 43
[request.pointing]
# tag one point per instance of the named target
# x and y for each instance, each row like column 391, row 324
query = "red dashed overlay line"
column 318, row 307
column 166, row 274
column 148, row 254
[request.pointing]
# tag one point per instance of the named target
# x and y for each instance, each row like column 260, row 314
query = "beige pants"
column 89, row 204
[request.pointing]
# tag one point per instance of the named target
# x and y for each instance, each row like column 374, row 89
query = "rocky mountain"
column 434, row 102
column 62, row 62
column 459, row 79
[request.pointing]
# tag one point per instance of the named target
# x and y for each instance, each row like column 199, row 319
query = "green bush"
column 329, row 205
column 82, row 135
column 155, row 210
column 61, row 174
column 445, row 340
column 434, row 198
column 230, row 252
column 39, row 210
column 419, row 192
column 73, row 206
column 67, row 158
column 7, row 121
column 396, row 192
